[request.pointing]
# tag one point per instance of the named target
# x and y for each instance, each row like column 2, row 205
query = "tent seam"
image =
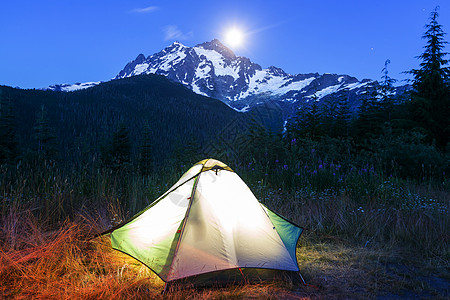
column 194, row 188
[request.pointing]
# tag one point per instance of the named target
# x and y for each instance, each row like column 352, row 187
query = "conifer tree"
column 368, row 123
column 145, row 158
column 45, row 136
column 307, row 122
column 329, row 112
column 8, row 141
column 120, row 148
column 386, row 92
column 431, row 96
column 343, row 115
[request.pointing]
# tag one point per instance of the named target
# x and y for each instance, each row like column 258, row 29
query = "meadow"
column 367, row 234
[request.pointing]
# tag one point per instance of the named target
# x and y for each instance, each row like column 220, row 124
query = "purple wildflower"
column 285, row 167
column 320, row 166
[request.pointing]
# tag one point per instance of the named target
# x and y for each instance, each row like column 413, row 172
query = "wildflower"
column 276, row 160
column 285, row 167
column 297, row 174
column 334, row 174
column 313, row 150
column 320, row 166
column 315, row 172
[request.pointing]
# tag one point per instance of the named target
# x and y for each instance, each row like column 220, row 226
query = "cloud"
column 144, row 10
column 171, row 32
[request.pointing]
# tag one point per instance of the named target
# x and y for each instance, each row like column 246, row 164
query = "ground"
column 64, row 263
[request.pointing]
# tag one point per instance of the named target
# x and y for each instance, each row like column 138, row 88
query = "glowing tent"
column 209, row 226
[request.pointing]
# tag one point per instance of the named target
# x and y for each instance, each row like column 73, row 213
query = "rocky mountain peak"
column 217, row 46
column 276, row 71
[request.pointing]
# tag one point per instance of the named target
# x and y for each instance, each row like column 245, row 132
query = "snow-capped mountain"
column 213, row 70
column 65, row 87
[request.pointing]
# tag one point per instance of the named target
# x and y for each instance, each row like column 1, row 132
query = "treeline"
column 109, row 123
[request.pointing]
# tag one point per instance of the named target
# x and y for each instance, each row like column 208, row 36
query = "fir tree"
column 343, row 115
column 368, row 123
column 45, row 136
column 329, row 112
column 307, row 122
column 431, row 98
column 386, row 92
column 387, row 82
column 145, row 157
column 120, row 149
column 8, row 141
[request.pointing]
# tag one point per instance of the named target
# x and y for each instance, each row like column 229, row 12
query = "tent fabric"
column 209, row 221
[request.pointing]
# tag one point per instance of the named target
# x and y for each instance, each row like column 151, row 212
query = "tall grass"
column 360, row 204
column 45, row 252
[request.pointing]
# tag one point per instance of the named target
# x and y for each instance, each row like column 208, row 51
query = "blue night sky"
column 47, row 42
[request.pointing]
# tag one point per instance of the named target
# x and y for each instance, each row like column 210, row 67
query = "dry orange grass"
column 38, row 263
column 64, row 264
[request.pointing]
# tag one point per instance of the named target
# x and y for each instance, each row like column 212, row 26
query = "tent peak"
column 213, row 164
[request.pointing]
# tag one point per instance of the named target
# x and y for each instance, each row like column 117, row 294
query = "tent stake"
column 164, row 291
column 304, row 282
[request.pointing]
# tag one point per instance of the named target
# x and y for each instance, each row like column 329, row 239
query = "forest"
column 374, row 178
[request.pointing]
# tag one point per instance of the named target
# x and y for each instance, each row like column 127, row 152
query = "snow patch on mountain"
column 221, row 67
column 65, row 87
column 326, row 91
column 265, row 83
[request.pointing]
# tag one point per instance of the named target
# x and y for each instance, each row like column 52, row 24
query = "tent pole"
column 184, row 223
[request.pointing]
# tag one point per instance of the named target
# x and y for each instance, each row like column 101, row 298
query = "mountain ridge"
column 211, row 69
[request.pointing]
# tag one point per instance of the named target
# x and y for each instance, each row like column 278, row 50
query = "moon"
column 234, row 37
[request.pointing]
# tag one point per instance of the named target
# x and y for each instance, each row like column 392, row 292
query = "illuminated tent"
column 209, row 226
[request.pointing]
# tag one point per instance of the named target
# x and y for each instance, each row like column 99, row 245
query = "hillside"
column 85, row 119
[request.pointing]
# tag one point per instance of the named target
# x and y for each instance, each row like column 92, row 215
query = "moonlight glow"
column 234, row 38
